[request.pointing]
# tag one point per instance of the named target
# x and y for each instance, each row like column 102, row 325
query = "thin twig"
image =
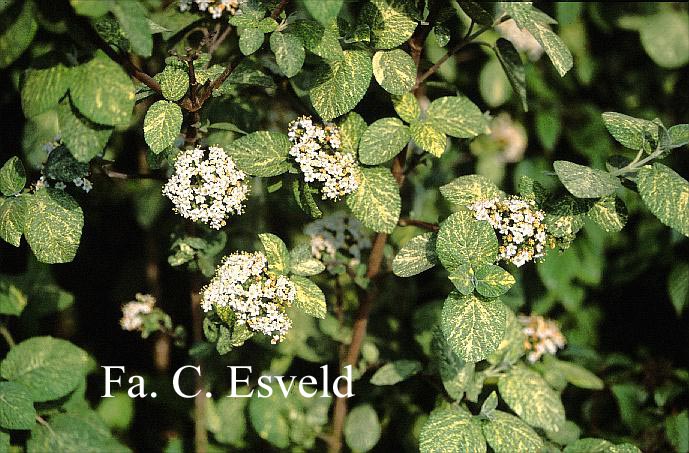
column 4, row 331
column 278, row 10
column 403, row 222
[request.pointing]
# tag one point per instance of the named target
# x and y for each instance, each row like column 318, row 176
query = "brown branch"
column 403, row 222
column 278, row 10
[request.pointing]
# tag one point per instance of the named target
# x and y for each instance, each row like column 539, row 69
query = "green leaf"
column 309, row 298
column 634, row 133
column 514, row 69
column 362, row 428
column 43, row 89
column 416, row 256
column 576, row 375
column 477, row 11
column 533, row 20
column 16, row 407
column 463, row 278
column 428, row 137
column 394, row 70
column 451, row 430
column 609, row 213
column 390, row 21
column 83, row 138
column 303, row 195
column 455, row 373
column 318, row 39
column 261, row 153
column 12, row 177
column 132, row 18
column 407, row 107
column 162, row 125
column 352, row 128
column 506, row 433
column 53, row 226
column 512, row 344
column 493, row 281
column 13, row 218
column 494, row 85
column 457, row 116
column 473, row 327
column 74, row 432
column 323, row 12
column 679, row 135
column 465, row 190
column 677, row 431
column 665, row 38
column 565, row 215
column 12, row 299
column 489, row 405
column 102, row 91
column 289, row 52
column 382, row 141
column 16, row 38
column 117, row 412
column 585, row 182
column 269, row 425
column 666, row 195
column 250, row 40
column 677, row 285
column 342, row 84
column 530, row 397
column 174, row 83
column 232, row 409
column 49, row 367
column 591, row 445
column 276, row 253
column 395, row 372
column 376, row 203
column 303, row 263
column 464, row 240
column 62, row 166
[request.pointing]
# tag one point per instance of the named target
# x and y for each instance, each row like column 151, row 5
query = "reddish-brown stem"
column 278, row 10
column 418, row 223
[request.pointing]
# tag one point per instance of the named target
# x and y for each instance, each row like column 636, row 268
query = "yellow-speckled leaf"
column 506, row 433
column 451, row 430
column 416, row 256
column 457, row 116
column 585, row 182
column 610, row 213
column 309, row 297
column 343, row 84
column 162, row 125
column 12, row 218
column 53, row 226
column 407, row 107
column 493, row 281
column 102, row 91
column 382, row 141
column 473, row 327
column 466, row 190
column 464, row 240
column 394, row 70
column 376, row 203
column 261, row 153
column 276, row 253
column 391, row 22
column 43, row 89
column 666, row 194
column 530, row 397
column 428, row 137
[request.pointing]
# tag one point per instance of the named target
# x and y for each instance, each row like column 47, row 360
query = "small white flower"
column 337, row 239
column 316, row 149
column 132, row 312
column 87, row 186
column 207, row 186
column 60, row 185
column 258, row 299
column 543, row 336
column 519, row 224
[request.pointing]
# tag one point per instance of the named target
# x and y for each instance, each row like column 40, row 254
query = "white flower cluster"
column 522, row 40
column 520, row 227
column 542, row 336
column 315, row 149
column 257, row 298
column 215, row 7
column 337, row 239
column 510, row 136
column 207, row 186
column 132, row 312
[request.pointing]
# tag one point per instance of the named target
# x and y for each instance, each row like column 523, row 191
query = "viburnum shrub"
column 418, row 195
